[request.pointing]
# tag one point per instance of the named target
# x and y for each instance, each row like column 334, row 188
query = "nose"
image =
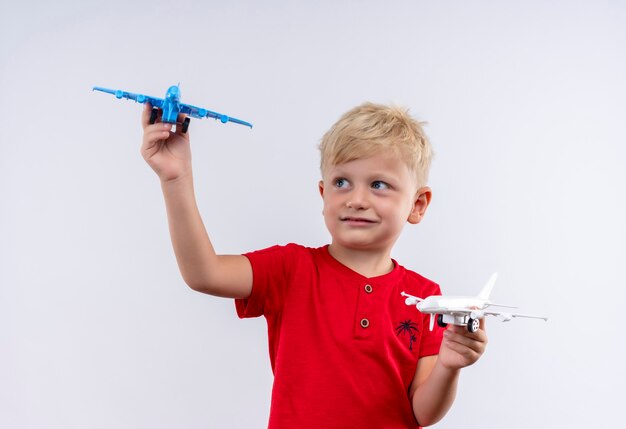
column 357, row 199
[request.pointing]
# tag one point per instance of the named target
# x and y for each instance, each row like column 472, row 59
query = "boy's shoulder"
column 420, row 284
column 280, row 250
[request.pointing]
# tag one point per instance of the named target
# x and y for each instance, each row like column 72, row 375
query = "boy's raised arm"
column 169, row 155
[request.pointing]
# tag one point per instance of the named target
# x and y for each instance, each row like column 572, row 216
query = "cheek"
column 398, row 210
column 328, row 206
column 331, row 202
column 391, row 206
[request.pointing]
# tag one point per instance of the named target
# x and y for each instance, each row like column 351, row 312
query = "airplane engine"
column 476, row 314
column 223, row 118
column 119, row 93
column 141, row 98
column 505, row 317
column 202, row 112
column 410, row 301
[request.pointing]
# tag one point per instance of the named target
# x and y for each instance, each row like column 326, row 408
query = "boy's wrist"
column 446, row 370
column 178, row 189
column 182, row 180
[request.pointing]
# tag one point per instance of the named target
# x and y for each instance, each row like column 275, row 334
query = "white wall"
column 525, row 102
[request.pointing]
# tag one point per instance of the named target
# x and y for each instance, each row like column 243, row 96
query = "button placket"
column 365, row 310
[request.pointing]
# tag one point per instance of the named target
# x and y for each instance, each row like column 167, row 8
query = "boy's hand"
column 167, row 152
column 461, row 348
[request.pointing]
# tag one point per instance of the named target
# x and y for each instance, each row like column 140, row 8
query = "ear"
column 420, row 204
column 321, row 189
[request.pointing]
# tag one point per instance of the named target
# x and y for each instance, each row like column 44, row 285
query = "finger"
column 467, row 353
column 459, row 338
column 462, row 329
column 153, row 140
column 156, row 132
column 457, row 328
column 158, row 126
column 476, row 341
column 472, row 350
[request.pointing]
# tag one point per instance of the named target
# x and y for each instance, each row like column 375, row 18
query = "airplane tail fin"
column 486, row 290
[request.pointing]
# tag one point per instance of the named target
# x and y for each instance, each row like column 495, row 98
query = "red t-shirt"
column 343, row 347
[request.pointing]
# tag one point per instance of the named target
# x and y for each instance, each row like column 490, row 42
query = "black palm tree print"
column 407, row 327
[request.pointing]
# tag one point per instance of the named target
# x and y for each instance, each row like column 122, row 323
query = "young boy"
column 345, row 350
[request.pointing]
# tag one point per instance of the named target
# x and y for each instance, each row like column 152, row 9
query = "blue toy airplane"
column 172, row 107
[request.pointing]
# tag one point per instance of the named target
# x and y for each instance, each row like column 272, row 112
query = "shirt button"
column 365, row 323
column 368, row 288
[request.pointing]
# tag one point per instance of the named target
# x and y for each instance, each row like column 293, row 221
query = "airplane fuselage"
column 171, row 105
column 442, row 304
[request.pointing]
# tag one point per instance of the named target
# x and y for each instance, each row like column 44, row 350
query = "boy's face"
column 368, row 201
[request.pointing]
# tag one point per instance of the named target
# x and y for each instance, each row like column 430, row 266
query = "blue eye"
column 379, row 184
column 341, row 182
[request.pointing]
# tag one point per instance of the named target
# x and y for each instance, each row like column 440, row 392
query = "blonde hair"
column 370, row 129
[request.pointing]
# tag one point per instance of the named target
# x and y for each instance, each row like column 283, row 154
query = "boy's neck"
column 368, row 263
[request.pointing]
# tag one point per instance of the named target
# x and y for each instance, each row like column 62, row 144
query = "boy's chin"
column 359, row 246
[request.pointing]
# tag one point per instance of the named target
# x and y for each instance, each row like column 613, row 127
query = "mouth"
column 357, row 220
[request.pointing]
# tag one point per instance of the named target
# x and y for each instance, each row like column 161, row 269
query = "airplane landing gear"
column 186, row 125
column 440, row 321
column 473, row 325
column 153, row 115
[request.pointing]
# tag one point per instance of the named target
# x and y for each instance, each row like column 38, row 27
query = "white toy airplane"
column 462, row 310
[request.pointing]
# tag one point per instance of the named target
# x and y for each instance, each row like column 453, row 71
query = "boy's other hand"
column 461, row 348
column 167, row 152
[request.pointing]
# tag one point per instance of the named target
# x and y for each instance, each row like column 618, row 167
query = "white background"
column 526, row 107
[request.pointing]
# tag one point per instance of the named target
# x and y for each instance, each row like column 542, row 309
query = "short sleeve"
column 272, row 270
column 431, row 340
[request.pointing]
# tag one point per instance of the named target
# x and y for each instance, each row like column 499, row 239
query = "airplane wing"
column 199, row 112
column 508, row 316
column 479, row 314
column 139, row 98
